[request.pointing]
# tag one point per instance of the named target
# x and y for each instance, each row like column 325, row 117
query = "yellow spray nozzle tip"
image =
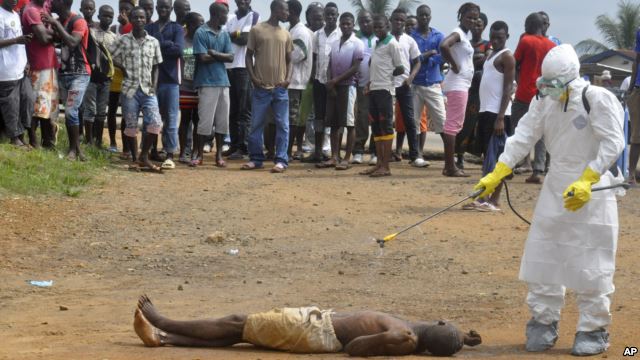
column 390, row 237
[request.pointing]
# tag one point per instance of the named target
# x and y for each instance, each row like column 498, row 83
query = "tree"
column 382, row 6
column 618, row 32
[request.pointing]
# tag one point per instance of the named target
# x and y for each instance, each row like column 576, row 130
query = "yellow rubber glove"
column 492, row 179
column 581, row 190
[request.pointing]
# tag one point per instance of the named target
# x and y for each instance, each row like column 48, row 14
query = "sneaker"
column 373, row 161
column 420, row 163
column 112, row 149
column 357, row 159
column 207, row 148
column 306, row 147
column 225, row 147
column 237, row 155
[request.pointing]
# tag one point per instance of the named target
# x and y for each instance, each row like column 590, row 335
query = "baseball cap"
column 224, row 2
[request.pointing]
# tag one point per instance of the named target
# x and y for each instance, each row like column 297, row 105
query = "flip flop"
column 153, row 168
column 454, row 173
column 195, row 162
column 221, row 164
column 343, row 165
column 377, row 174
column 278, row 168
column 325, row 165
column 471, row 206
column 250, row 166
column 368, row 171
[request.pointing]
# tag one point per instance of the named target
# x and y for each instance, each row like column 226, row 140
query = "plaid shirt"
column 107, row 38
column 138, row 58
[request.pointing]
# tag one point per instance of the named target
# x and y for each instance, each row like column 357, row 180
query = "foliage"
column 618, row 32
column 383, row 6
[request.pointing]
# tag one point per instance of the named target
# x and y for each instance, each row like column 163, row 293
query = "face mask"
column 554, row 88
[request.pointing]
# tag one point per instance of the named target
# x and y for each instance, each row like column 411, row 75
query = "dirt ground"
column 304, row 237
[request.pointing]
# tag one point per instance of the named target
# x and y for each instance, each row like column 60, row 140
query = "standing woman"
column 458, row 52
column 481, row 51
column 188, row 92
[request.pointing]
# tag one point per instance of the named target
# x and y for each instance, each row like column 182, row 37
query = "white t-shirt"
column 322, row 48
column 410, row 51
column 369, row 44
column 462, row 53
column 302, row 56
column 13, row 59
column 243, row 24
column 386, row 56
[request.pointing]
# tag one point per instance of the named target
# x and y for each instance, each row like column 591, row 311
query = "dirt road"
column 303, row 237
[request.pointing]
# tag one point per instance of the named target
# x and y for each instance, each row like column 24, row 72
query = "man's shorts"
column 433, row 99
column 298, row 330
column 633, row 102
column 381, row 114
column 338, row 106
column 213, row 110
column 131, row 107
column 46, row 93
column 295, row 102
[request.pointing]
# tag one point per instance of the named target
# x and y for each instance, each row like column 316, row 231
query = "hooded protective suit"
column 571, row 249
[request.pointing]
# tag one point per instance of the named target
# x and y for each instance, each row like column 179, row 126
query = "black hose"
column 506, row 191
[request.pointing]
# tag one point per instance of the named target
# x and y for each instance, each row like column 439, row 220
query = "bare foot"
column 148, row 310
column 149, row 335
column 370, row 170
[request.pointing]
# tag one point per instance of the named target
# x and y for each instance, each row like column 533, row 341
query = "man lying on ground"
column 306, row 330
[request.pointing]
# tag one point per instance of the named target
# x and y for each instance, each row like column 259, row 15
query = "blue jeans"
column 131, row 106
column 72, row 89
column 168, row 99
column 278, row 100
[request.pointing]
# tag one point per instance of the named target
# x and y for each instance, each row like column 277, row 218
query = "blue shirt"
column 637, row 83
column 171, row 40
column 429, row 73
column 212, row 74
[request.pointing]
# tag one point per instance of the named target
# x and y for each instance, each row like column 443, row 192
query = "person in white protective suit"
column 572, row 240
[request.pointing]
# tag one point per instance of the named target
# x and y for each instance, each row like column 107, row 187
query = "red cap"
column 224, row 2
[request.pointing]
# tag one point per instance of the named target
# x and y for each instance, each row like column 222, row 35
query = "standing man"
column 75, row 71
column 369, row 40
column 531, row 50
column 170, row 35
column 404, row 94
column 302, row 63
column 43, row 71
column 344, row 62
column 181, row 8
column 147, row 5
column 547, row 24
column 427, row 90
column 138, row 55
column 321, row 52
column 97, row 95
column 386, row 62
column 573, row 238
column 268, row 62
column 633, row 103
column 238, row 27
column 88, row 9
column 16, row 96
column 212, row 47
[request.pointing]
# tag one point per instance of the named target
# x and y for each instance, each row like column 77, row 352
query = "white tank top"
column 491, row 87
column 462, row 53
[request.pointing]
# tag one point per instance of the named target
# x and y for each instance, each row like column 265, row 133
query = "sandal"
column 368, row 171
column 343, row 165
column 472, row 205
column 396, row 157
column 195, row 162
column 380, row 173
column 533, row 179
column 220, row 163
column 487, row 207
column 278, row 168
column 153, row 168
column 326, row 164
column 250, row 166
column 125, row 156
column 168, row 164
column 454, row 173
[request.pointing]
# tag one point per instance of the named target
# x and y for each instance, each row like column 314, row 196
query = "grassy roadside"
column 45, row 172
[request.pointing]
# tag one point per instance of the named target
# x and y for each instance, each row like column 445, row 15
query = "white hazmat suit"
column 575, row 250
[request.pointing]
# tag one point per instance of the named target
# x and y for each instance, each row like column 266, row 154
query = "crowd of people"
column 256, row 90
column 198, row 82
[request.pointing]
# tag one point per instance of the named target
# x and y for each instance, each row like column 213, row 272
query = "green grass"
column 46, row 172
